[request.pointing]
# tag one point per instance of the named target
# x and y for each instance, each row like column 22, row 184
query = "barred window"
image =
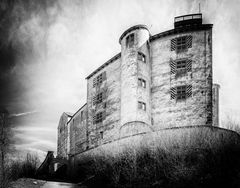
column 99, row 98
column 181, row 92
column 98, row 118
column 141, row 57
column 142, row 105
column 130, row 40
column 181, row 66
column 180, row 44
column 99, row 79
column 141, row 83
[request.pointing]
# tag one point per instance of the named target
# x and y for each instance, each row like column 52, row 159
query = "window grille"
column 98, row 98
column 130, row 40
column 181, row 66
column 180, row 44
column 141, row 57
column 141, row 83
column 142, row 105
column 181, row 92
column 99, row 79
column 99, row 117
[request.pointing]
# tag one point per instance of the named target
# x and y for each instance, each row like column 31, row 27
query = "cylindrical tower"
column 135, row 78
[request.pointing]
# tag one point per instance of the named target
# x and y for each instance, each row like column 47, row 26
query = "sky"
column 49, row 47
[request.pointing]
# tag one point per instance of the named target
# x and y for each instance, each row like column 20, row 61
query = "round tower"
column 135, row 79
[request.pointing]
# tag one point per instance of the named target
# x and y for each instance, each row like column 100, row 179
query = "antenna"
column 199, row 7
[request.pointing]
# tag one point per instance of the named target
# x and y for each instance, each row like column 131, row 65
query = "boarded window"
column 99, row 79
column 130, row 40
column 141, row 57
column 141, row 83
column 99, row 117
column 180, row 44
column 181, row 92
column 142, row 105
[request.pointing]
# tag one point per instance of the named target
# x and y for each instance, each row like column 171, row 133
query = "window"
column 181, row 92
column 130, row 40
column 141, row 57
column 141, row 105
column 98, row 98
column 141, row 83
column 181, row 66
column 101, row 134
column 81, row 115
column 99, row 79
column 98, row 118
column 180, row 44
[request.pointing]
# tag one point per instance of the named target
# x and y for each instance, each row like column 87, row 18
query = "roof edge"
column 104, row 65
column 76, row 112
column 131, row 29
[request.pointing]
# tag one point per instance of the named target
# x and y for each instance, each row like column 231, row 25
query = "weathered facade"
column 156, row 82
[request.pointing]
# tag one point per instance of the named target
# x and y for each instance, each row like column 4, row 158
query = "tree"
column 4, row 144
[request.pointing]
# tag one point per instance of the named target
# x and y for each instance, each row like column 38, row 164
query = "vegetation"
column 207, row 159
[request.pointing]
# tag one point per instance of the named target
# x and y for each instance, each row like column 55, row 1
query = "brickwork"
column 156, row 82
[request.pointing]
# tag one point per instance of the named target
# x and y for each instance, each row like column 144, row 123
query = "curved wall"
column 131, row 70
column 197, row 108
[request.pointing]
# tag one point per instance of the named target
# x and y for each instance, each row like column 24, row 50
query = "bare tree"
column 4, row 144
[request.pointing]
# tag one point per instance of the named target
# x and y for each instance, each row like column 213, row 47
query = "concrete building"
column 156, row 82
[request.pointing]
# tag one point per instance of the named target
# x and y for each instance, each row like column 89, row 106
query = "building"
column 155, row 82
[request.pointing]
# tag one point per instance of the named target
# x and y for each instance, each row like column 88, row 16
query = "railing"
column 188, row 17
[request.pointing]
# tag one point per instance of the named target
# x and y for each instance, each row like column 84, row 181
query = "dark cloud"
column 14, row 51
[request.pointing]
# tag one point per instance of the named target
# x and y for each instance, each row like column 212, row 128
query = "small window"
column 99, row 79
column 130, row 40
column 181, row 66
column 181, row 44
column 142, row 105
column 141, row 83
column 181, row 92
column 141, row 57
column 81, row 115
column 98, row 118
column 97, row 99
column 101, row 134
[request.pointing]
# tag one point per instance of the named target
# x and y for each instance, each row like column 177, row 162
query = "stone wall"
column 63, row 133
column 195, row 110
column 108, row 129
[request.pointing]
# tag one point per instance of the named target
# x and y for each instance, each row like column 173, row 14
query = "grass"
column 201, row 158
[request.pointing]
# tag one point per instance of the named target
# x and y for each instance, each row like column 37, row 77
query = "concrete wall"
column 196, row 109
column 111, row 87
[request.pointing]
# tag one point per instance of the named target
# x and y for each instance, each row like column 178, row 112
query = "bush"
column 205, row 160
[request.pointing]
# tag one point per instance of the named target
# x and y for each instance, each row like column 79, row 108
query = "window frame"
column 142, row 105
column 181, row 43
column 130, row 40
column 181, row 92
column 141, row 57
column 142, row 83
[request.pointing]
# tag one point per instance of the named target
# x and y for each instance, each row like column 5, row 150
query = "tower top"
column 140, row 26
column 187, row 20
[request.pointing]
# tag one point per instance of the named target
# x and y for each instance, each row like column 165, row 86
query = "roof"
column 152, row 38
column 69, row 114
column 76, row 112
column 140, row 26
column 104, row 65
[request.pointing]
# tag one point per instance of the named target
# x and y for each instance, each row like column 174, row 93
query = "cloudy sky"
column 48, row 47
